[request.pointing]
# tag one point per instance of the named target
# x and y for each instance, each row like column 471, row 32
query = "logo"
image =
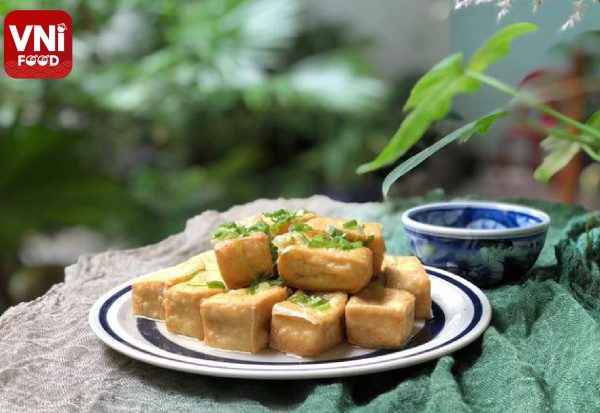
column 38, row 44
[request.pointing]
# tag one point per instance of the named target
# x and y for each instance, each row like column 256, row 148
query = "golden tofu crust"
column 306, row 331
column 241, row 260
column 147, row 292
column 324, row 269
column 363, row 232
column 407, row 273
column 379, row 317
column 182, row 304
column 240, row 321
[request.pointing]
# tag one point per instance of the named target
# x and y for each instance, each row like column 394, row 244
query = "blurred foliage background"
column 173, row 108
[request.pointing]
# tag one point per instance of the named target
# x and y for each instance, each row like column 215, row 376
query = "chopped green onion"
column 351, row 224
column 233, row 230
column 300, row 227
column 312, row 301
column 283, row 216
column 336, row 242
column 263, row 280
column 274, row 251
column 215, row 284
column 336, row 232
column 209, row 284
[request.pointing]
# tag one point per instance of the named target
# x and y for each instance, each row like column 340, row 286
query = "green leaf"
column 560, row 154
column 435, row 105
column 594, row 122
column 449, row 68
column 431, row 98
column 498, row 46
column 480, row 126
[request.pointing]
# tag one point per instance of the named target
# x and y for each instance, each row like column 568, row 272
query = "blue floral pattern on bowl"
column 486, row 243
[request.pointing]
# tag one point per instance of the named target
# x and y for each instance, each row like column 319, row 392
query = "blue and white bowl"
column 484, row 242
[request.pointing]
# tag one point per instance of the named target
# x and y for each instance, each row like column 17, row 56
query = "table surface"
column 541, row 351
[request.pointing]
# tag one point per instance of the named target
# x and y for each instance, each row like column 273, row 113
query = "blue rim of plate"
column 99, row 317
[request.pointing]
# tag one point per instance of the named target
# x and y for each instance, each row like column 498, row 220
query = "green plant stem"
column 503, row 87
column 563, row 134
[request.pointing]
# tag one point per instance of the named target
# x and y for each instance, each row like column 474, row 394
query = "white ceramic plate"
column 461, row 314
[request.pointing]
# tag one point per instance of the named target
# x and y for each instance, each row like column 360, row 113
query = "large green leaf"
column 449, row 68
column 560, row 153
column 431, row 97
column 480, row 126
column 434, row 105
column 498, row 46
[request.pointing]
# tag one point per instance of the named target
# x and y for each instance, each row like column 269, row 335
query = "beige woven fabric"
column 51, row 361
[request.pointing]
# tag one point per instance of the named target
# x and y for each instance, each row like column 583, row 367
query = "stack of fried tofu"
column 294, row 281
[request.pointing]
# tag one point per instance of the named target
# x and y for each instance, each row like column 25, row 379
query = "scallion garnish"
column 283, row 216
column 300, row 227
column 209, row 284
column 263, row 280
column 336, row 232
column 215, row 284
column 336, row 242
column 233, row 230
column 312, row 301
column 351, row 224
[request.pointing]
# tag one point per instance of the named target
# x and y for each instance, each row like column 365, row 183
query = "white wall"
column 471, row 26
column 407, row 38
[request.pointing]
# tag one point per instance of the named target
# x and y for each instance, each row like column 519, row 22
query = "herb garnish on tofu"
column 353, row 224
column 233, row 230
column 209, row 284
column 335, row 238
column 300, row 227
column 262, row 282
column 336, row 241
column 283, row 216
column 312, row 301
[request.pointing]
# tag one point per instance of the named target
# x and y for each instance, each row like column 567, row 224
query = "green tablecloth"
column 541, row 351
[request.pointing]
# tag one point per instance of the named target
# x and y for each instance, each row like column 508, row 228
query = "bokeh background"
column 173, row 108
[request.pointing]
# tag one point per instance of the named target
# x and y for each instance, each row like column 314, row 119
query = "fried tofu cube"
column 241, row 260
column 366, row 232
column 308, row 331
column 325, row 269
column 238, row 320
column 380, row 317
column 407, row 273
column 148, row 292
column 182, row 303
